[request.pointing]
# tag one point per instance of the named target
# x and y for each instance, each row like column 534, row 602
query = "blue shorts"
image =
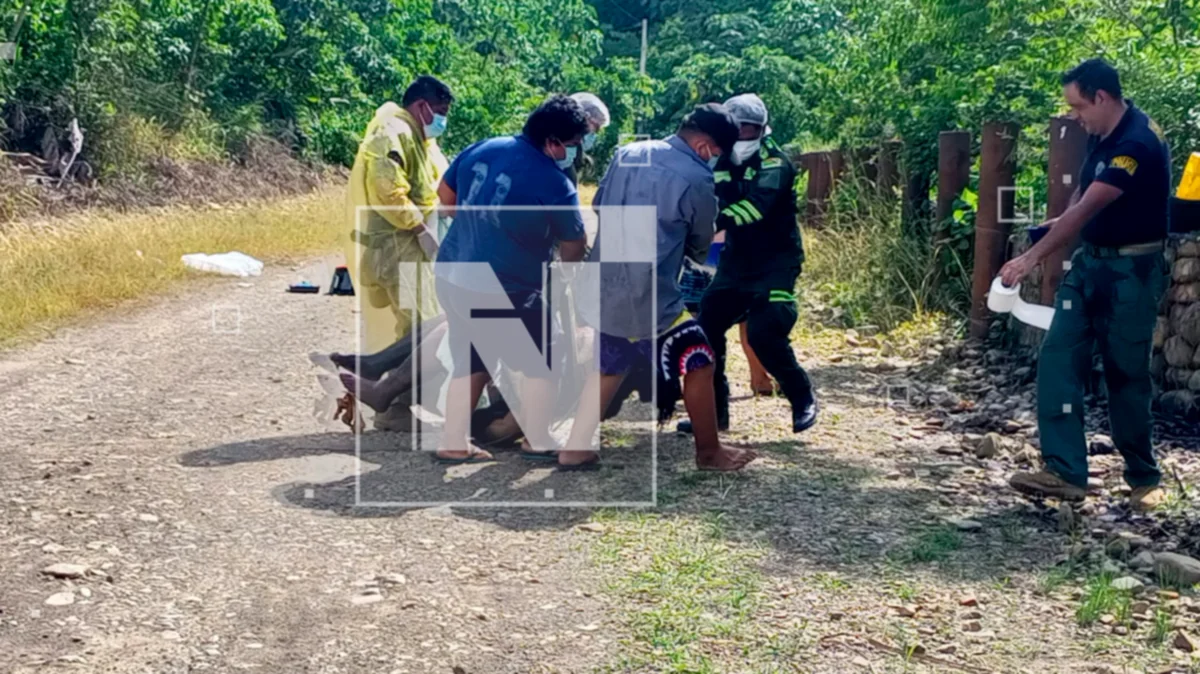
column 673, row 354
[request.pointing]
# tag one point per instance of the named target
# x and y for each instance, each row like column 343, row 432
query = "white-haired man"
column 597, row 116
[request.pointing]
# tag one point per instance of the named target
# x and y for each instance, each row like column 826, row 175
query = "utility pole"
column 645, row 30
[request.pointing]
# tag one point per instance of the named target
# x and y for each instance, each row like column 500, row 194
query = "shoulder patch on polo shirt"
column 750, row 173
column 1125, row 163
column 772, row 162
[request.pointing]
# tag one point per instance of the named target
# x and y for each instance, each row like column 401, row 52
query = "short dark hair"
column 558, row 117
column 427, row 88
column 715, row 121
column 1094, row 75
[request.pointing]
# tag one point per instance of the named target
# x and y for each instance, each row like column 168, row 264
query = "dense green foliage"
column 309, row 72
column 833, row 71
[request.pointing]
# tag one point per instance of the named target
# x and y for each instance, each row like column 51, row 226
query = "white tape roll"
column 1004, row 300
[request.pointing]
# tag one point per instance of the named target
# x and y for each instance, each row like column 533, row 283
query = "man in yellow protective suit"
column 392, row 211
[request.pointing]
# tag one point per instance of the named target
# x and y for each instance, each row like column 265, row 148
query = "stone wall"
column 1176, row 364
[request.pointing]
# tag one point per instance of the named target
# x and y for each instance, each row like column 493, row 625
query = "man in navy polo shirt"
column 1110, row 294
column 513, row 203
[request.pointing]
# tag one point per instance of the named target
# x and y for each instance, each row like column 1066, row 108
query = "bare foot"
column 725, row 459
column 576, row 457
column 368, row 392
column 471, row 454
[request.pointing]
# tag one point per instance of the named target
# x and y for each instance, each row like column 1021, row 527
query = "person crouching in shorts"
column 674, row 176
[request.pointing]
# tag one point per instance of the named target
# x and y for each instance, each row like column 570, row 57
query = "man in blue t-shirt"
column 513, row 203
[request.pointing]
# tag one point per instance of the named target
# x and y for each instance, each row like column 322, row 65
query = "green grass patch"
column 1101, row 598
column 1161, row 627
column 904, row 591
column 932, row 545
column 689, row 596
column 1055, row 578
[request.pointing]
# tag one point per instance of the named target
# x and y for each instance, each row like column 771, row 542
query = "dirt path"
column 160, row 454
column 174, row 458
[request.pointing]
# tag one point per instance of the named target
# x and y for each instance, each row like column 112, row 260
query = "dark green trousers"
column 1110, row 302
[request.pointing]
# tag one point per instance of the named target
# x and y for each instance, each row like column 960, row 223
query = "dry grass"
column 57, row 270
column 587, row 192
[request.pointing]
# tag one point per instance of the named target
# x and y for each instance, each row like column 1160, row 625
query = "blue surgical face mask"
column 712, row 161
column 437, row 127
column 565, row 162
column 589, row 142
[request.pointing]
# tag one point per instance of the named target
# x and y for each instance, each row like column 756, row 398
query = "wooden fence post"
column 1068, row 149
column 994, row 218
column 954, row 171
column 824, row 170
column 889, row 168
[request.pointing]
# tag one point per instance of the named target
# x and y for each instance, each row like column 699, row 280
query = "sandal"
column 473, row 457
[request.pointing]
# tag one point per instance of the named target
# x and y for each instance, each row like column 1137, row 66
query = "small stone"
column 1169, row 595
column 1011, row 426
column 1028, row 456
column 1068, row 520
column 408, row 603
column 860, row 661
column 904, row 611
column 592, row 527
column 53, row 548
column 950, row 450
column 972, row 626
column 1120, row 630
column 85, row 593
column 968, row 600
column 1107, row 619
column 148, row 518
column 968, row 525
column 65, row 570
column 989, row 446
column 972, row 615
column 1184, row 642
column 946, row 649
column 1095, row 485
column 1143, row 560
column 393, row 579
column 1136, row 541
column 61, row 599
column 1118, row 548
column 364, row 599
column 171, row 635
column 836, row 615
column 1101, row 445
column 1139, row 607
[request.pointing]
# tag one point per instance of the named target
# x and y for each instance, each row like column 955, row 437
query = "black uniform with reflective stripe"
column 758, row 213
column 1135, row 159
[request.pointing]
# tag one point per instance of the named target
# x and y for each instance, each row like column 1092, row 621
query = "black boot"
column 804, row 412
